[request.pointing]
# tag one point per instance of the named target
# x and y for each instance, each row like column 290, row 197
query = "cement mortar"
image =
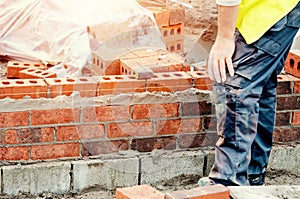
column 75, row 100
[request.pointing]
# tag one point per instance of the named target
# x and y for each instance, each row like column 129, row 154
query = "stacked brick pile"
column 171, row 76
column 170, row 20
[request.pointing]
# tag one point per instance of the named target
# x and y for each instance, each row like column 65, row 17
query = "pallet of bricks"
column 170, row 20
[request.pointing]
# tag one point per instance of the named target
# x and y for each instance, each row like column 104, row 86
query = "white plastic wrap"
column 55, row 31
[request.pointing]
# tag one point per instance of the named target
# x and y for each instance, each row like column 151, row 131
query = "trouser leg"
column 238, row 110
column 262, row 144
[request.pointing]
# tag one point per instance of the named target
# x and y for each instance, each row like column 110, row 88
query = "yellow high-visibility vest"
column 257, row 16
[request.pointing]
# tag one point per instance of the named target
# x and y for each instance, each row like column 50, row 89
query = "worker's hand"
column 220, row 58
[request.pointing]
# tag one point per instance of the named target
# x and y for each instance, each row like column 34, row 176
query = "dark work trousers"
column 246, row 103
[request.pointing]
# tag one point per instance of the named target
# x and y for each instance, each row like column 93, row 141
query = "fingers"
column 217, row 69
column 230, row 67
column 210, row 69
column 222, row 69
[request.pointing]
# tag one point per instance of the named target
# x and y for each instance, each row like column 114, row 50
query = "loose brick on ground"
column 138, row 192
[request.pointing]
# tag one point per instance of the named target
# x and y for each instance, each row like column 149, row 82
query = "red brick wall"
column 42, row 133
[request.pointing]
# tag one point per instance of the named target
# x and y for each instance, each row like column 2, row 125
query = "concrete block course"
column 36, row 179
column 164, row 166
column 107, row 174
column 285, row 158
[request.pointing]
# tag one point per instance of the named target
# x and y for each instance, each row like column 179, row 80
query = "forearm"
column 227, row 16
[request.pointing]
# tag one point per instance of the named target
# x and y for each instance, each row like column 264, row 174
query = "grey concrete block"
column 107, row 174
column 164, row 166
column 210, row 159
column 285, row 158
column 37, row 178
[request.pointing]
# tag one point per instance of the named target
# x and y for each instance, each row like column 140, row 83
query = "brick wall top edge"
column 190, row 95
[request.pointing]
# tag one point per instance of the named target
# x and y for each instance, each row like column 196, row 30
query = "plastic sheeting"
column 65, row 32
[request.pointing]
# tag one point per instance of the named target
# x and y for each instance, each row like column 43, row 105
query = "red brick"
column 86, row 86
column 106, row 60
column 14, row 153
column 14, row 119
column 169, row 82
column 210, row 123
column 23, row 136
column 131, row 129
column 116, row 84
column 16, row 89
column 297, row 87
column 149, row 111
column 288, row 102
column 157, row 60
column 283, row 119
column 292, row 63
column 177, row 14
column 289, row 134
column 33, row 73
column 284, row 84
column 197, row 140
column 161, row 15
column 84, row 132
column 139, row 192
column 201, row 80
column 42, row 152
column 296, row 83
column 106, row 113
column 179, row 126
column 197, row 108
column 207, row 192
column 296, row 118
column 104, row 147
column 172, row 33
column 175, row 46
column 149, row 144
column 55, row 116
column 14, row 67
